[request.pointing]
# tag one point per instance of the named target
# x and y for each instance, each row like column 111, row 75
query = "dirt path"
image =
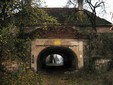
column 55, row 78
column 74, row 78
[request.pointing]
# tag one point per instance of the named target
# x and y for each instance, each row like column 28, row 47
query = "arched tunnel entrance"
column 57, row 54
column 57, row 58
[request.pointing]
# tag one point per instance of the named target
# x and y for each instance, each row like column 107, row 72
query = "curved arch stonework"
column 76, row 45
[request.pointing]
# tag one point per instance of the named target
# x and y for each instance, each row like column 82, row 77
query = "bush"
column 23, row 76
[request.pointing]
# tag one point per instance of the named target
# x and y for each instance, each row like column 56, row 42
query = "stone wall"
column 39, row 45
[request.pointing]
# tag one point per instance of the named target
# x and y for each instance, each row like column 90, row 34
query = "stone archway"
column 68, row 47
column 69, row 58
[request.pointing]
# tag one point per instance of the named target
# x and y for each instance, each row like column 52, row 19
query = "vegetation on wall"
column 102, row 45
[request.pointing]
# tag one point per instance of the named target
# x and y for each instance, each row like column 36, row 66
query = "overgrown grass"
column 83, row 78
column 26, row 76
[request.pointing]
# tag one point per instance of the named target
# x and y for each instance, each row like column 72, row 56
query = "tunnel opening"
column 56, row 58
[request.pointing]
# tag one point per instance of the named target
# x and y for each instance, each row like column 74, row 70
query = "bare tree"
column 75, row 3
column 93, row 6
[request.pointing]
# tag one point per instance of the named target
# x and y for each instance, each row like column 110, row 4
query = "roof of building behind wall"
column 70, row 16
column 68, row 29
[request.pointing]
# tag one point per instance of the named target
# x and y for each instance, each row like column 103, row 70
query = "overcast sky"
column 62, row 3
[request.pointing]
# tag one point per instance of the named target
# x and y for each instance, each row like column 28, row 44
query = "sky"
column 108, row 8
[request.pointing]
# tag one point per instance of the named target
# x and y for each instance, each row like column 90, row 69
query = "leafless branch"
column 71, row 2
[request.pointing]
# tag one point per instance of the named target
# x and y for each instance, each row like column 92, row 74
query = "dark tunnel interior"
column 56, row 58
